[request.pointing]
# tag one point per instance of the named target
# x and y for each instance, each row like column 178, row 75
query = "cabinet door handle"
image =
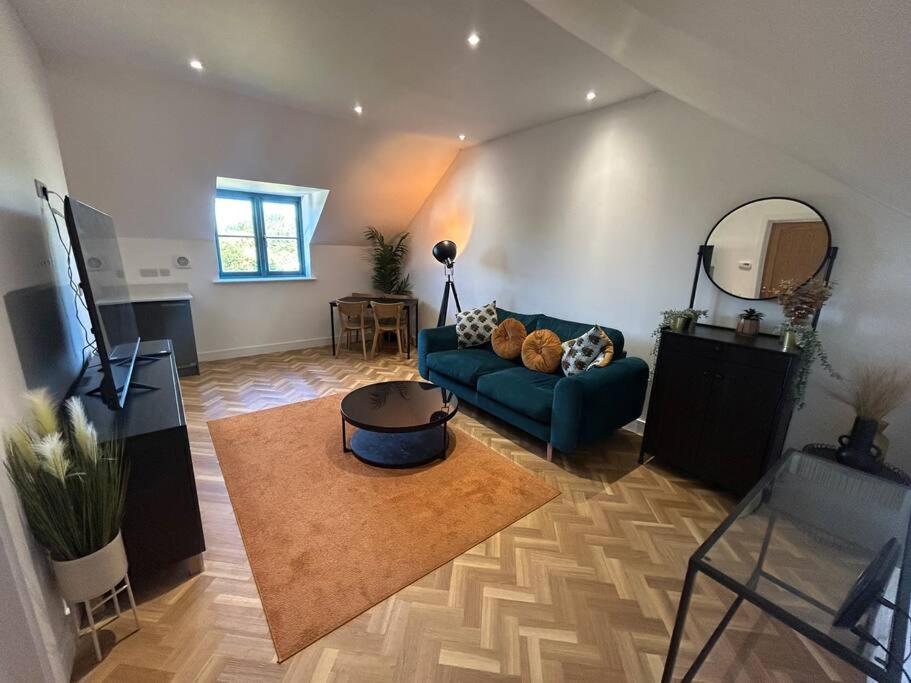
column 718, row 375
column 705, row 373
column 717, row 348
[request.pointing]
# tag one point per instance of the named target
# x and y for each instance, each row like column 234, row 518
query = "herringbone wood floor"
column 583, row 589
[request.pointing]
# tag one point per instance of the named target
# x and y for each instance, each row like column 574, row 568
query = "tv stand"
column 161, row 524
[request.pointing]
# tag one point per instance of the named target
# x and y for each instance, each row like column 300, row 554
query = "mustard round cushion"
column 507, row 338
column 541, row 351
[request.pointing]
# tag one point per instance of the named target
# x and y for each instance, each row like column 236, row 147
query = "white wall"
column 36, row 640
column 147, row 150
column 598, row 218
column 245, row 318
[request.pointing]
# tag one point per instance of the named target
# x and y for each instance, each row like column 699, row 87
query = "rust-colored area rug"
column 328, row 536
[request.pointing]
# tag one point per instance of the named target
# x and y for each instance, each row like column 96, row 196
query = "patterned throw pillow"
column 582, row 351
column 474, row 327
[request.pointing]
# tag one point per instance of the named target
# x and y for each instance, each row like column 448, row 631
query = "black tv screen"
column 104, row 285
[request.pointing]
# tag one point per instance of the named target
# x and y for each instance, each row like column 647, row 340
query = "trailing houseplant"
column 800, row 303
column 72, row 490
column 388, row 259
column 873, row 391
column 684, row 317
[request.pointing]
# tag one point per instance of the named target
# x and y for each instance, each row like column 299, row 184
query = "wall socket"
column 40, row 189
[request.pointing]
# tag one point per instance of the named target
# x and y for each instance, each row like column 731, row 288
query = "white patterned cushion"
column 580, row 353
column 474, row 327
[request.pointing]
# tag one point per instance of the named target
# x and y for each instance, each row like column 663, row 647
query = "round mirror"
column 757, row 245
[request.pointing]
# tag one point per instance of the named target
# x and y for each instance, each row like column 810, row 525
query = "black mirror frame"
column 706, row 247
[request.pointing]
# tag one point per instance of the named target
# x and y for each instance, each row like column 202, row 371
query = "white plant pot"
column 90, row 576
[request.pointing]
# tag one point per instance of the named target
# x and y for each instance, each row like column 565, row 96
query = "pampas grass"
column 71, row 487
column 874, row 391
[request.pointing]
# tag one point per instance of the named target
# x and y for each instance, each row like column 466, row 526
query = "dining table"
column 411, row 308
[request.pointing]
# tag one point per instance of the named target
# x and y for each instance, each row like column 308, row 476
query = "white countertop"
column 146, row 293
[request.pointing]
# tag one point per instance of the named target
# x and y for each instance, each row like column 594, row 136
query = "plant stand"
column 90, row 610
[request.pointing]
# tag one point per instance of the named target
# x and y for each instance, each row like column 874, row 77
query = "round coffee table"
column 400, row 424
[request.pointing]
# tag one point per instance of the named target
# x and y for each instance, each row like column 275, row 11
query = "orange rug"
column 328, row 536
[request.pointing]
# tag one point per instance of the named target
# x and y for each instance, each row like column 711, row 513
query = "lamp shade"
column 445, row 252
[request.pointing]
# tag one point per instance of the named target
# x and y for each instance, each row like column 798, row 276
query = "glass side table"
column 795, row 546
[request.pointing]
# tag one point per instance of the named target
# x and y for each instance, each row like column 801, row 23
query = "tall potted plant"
column 388, row 259
column 72, row 490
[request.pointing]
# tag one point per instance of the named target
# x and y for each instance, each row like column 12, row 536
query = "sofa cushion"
column 507, row 338
column 541, row 351
column 530, row 320
column 474, row 327
column 581, row 352
column 467, row 365
column 566, row 329
column 525, row 391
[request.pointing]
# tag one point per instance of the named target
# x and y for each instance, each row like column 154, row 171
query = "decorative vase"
column 857, row 448
column 747, row 327
column 90, row 576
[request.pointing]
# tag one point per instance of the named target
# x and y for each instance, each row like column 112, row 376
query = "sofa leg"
column 550, row 452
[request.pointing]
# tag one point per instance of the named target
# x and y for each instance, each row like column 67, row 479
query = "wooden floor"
column 584, row 589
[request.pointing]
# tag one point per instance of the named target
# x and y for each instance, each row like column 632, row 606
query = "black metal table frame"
column 892, row 673
column 409, row 304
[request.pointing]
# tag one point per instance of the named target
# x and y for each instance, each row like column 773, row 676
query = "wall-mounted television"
column 103, row 281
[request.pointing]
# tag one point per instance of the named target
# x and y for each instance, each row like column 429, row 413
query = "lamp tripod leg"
column 444, row 305
column 455, row 295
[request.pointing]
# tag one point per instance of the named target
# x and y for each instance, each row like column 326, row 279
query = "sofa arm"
column 432, row 339
column 594, row 403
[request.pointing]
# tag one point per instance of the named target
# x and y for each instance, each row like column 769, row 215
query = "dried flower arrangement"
column 875, row 390
column 800, row 303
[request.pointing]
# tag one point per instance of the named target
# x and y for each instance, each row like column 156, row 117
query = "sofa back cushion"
column 566, row 329
column 530, row 320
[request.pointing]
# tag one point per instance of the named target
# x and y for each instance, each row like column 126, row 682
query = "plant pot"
column 857, row 448
column 680, row 323
column 90, row 576
column 747, row 327
column 789, row 340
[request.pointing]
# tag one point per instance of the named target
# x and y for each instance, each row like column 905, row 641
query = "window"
column 260, row 235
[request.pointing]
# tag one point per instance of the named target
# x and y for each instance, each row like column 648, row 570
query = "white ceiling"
column 405, row 61
column 826, row 80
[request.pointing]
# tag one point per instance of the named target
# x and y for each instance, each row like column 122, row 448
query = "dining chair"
column 352, row 317
column 405, row 310
column 387, row 318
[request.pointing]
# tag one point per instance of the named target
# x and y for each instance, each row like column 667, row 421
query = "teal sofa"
column 566, row 412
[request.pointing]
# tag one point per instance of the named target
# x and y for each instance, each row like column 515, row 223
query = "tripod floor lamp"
column 445, row 253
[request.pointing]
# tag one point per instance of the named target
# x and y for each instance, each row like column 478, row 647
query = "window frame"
column 256, row 200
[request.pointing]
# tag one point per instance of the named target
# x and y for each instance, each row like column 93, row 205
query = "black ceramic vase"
column 857, row 449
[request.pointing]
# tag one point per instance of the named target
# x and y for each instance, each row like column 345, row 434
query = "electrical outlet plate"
column 40, row 189
column 182, row 262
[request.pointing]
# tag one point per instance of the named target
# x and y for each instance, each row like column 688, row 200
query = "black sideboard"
column 720, row 405
column 161, row 523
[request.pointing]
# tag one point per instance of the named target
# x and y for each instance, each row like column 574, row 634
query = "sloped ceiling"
column 827, row 81
column 405, row 61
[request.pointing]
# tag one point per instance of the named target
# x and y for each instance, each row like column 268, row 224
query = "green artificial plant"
column 71, row 487
column 388, row 259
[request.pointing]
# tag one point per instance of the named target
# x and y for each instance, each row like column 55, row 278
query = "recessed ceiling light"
column 196, row 65
column 462, row 137
column 590, row 95
column 358, row 109
column 473, row 39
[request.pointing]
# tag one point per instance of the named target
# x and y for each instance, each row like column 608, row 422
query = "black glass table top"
column 399, row 406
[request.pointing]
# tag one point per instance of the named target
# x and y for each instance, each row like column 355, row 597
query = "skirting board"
column 241, row 351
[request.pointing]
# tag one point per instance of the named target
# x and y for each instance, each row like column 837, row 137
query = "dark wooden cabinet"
column 162, row 523
column 720, row 405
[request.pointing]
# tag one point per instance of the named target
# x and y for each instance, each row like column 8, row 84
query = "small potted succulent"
column 748, row 324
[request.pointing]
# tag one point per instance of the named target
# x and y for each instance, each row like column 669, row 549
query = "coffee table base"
column 408, row 449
